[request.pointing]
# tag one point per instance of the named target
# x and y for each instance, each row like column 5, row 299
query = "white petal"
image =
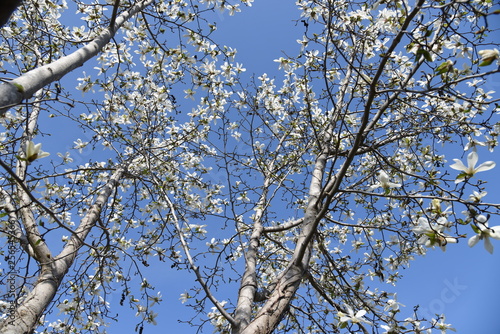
column 37, row 147
column 443, row 222
column 487, row 245
column 360, row 313
column 472, row 160
column 495, row 232
column 451, row 240
column 473, row 240
column 30, row 148
column 383, row 177
column 458, row 165
column 485, row 166
column 482, row 219
column 423, row 221
column 43, row 155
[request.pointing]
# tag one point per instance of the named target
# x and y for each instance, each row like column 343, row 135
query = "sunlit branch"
column 194, row 267
column 25, row 86
column 286, row 226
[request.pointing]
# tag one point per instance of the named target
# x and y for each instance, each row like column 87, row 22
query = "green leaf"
column 425, row 53
column 19, row 87
column 475, row 229
column 445, row 67
column 427, row 56
column 487, row 61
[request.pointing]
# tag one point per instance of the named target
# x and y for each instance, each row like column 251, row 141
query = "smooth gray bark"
column 53, row 270
column 23, row 87
column 289, row 281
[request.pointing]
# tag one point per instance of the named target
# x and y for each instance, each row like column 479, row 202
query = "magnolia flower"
column 432, row 234
column 488, row 56
column 383, row 181
column 484, row 233
column 477, row 196
column 33, row 152
column 213, row 245
column 393, row 328
column 285, row 63
column 471, row 169
column 441, row 325
column 155, row 299
column 354, row 318
column 184, row 297
column 393, row 305
column 473, row 143
column 151, row 318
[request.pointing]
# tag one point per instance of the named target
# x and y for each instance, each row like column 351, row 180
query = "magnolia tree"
column 304, row 194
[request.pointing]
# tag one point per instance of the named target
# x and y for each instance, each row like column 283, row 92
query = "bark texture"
column 53, row 270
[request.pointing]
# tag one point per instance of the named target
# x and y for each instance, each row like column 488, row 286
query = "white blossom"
column 488, row 56
column 477, row 196
column 184, row 297
column 431, row 234
column 284, row 63
column 383, row 182
column 351, row 317
column 213, row 245
column 33, row 152
column 392, row 305
column 484, row 232
column 470, row 169
column 441, row 325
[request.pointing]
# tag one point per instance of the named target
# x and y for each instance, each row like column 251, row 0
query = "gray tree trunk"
column 27, row 313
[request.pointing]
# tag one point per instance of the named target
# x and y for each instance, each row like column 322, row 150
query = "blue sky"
column 460, row 282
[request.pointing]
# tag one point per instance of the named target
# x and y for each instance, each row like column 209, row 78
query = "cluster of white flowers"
column 431, row 234
column 209, row 163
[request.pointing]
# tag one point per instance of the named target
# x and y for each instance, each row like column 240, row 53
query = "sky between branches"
column 460, row 282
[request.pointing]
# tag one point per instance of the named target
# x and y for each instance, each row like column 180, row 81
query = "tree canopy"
column 306, row 193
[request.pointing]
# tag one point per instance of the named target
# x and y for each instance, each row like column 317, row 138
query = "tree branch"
column 23, row 87
column 53, row 272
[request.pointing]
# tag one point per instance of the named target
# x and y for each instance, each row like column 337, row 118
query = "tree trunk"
column 27, row 313
column 8, row 7
column 270, row 315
